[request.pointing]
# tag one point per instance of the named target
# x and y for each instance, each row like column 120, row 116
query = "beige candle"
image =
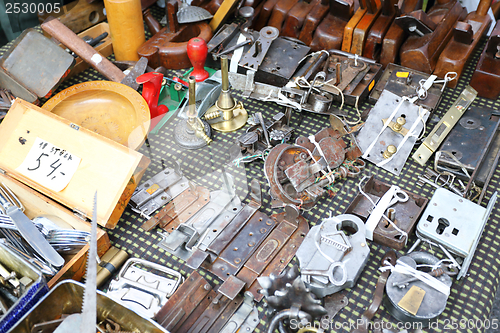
column 126, row 26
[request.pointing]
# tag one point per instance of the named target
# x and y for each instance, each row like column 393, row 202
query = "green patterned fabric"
column 470, row 299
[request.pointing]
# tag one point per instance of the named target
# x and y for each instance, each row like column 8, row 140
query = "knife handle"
column 67, row 37
column 4, row 201
column 8, row 198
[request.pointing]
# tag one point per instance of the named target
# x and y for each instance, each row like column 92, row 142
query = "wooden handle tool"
column 67, row 37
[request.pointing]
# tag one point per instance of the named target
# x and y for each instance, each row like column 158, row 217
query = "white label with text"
column 48, row 165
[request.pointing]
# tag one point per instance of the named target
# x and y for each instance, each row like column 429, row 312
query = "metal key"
column 328, row 273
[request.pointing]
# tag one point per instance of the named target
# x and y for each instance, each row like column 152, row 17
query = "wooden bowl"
column 110, row 109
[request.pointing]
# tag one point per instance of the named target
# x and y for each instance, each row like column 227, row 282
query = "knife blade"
column 31, row 233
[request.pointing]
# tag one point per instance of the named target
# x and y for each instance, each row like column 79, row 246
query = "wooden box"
column 106, row 166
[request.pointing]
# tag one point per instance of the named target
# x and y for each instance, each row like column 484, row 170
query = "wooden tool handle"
column 67, row 37
column 483, row 7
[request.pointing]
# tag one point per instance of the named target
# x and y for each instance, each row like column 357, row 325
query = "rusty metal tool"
column 405, row 81
column 260, row 137
column 247, row 13
column 278, row 248
column 180, row 307
column 254, row 57
column 354, row 76
column 470, row 142
column 86, row 52
column 300, row 165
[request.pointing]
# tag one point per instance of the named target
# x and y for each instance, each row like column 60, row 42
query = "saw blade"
column 89, row 308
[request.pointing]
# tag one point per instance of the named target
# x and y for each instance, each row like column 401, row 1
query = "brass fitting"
column 226, row 115
column 391, row 150
column 200, row 131
column 400, row 122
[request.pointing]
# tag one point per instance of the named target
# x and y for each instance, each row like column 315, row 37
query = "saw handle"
column 67, row 37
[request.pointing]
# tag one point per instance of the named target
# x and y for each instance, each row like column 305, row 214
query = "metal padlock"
column 333, row 254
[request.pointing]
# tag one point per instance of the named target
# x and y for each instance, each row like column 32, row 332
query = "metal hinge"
column 3, row 172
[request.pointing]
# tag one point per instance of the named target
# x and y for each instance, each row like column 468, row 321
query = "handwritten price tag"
column 48, row 165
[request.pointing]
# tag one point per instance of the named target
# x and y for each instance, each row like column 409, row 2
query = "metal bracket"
column 251, row 89
column 254, row 57
column 375, row 137
column 157, row 191
column 242, row 315
column 182, row 241
column 441, row 130
column 143, row 291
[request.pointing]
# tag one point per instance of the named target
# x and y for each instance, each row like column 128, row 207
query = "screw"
column 413, row 28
